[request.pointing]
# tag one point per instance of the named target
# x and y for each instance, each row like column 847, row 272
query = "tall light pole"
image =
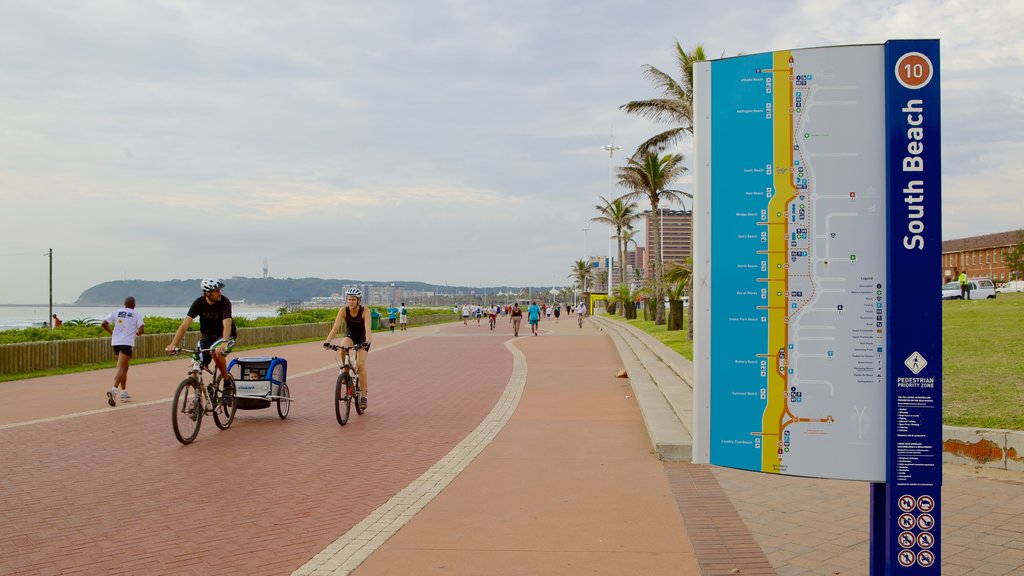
column 585, row 244
column 611, row 148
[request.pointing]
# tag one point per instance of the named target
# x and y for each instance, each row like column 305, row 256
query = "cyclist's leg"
column 361, row 367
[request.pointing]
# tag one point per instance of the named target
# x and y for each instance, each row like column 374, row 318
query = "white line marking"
column 346, row 553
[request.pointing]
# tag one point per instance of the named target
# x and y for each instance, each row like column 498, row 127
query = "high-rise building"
column 676, row 235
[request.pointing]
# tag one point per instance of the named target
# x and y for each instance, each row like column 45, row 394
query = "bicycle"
column 193, row 399
column 492, row 319
column 347, row 390
column 579, row 320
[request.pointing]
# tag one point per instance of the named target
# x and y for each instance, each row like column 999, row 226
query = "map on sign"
column 798, row 261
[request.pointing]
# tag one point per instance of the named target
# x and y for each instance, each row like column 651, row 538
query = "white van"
column 981, row 288
column 1012, row 286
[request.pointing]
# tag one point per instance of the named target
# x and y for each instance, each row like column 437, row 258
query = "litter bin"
column 374, row 319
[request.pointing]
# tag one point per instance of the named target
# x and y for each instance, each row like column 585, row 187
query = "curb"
column 664, row 397
column 662, row 381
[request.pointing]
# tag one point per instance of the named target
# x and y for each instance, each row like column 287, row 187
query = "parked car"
column 981, row 288
column 1012, row 286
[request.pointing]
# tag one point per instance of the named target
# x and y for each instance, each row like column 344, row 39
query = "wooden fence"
column 39, row 356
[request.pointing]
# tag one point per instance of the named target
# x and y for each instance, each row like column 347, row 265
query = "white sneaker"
column 111, row 394
column 125, row 396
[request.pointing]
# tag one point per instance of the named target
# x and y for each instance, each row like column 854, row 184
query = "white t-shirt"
column 123, row 323
column 402, row 316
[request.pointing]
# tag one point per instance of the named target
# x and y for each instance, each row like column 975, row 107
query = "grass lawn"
column 983, row 360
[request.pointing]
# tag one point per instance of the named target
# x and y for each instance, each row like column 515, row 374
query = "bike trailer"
column 258, row 380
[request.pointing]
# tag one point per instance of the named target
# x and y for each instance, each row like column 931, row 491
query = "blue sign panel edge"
column 906, row 509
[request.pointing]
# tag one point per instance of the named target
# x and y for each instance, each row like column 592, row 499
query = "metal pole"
column 611, row 148
column 49, row 319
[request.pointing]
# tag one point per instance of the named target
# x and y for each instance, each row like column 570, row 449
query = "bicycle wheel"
column 284, row 405
column 187, row 411
column 342, row 398
column 227, row 403
column 358, row 394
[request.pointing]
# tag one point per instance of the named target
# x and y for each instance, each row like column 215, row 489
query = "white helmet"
column 354, row 292
column 211, row 284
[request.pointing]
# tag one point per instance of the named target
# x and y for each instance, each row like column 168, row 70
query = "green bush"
column 75, row 330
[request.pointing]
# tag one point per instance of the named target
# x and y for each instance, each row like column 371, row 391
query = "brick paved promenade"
column 479, row 454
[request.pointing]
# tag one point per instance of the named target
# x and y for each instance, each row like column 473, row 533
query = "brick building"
column 979, row 256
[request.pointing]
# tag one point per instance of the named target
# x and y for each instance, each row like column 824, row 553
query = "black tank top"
column 355, row 328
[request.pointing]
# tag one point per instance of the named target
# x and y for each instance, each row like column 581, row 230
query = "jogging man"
column 403, row 318
column 216, row 328
column 123, row 326
column 357, row 332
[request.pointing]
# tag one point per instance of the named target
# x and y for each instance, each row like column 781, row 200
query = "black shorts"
column 126, row 350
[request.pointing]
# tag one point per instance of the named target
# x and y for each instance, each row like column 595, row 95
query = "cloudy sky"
column 449, row 141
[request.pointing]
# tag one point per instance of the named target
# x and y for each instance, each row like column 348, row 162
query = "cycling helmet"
column 354, row 292
column 211, row 284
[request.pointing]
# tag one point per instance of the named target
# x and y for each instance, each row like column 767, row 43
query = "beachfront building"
column 979, row 256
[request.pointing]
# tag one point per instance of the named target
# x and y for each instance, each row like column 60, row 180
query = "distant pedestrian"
column 392, row 318
column 558, row 312
column 516, row 318
column 534, row 313
column 57, row 321
column 403, row 318
column 123, row 325
column 465, row 314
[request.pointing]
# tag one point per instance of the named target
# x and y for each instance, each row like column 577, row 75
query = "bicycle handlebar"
column 337, row 347
column 179, row 350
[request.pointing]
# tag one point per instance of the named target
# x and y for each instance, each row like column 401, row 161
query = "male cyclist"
column 357, row 333
column 581, row 311
column 216, row 328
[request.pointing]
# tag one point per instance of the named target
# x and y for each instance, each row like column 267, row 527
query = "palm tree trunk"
column 659, row 304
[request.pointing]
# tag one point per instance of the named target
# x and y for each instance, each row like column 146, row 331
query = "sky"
column 452, row 142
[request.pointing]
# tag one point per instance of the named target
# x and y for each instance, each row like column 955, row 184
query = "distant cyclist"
column 216, row 328
column 581, row 311
column 357, row 333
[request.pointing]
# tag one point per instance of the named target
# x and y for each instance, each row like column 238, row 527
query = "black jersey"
column 211, row 317
column 355, row 327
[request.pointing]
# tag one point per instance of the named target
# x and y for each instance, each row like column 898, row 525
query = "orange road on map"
column 776, row 413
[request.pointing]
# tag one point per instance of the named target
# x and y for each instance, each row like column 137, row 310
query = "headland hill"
column 305, row 292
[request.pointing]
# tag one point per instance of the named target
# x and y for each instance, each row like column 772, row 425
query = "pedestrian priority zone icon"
column 915, row 362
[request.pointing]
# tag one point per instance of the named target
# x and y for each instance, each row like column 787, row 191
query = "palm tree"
column 623, row 296
column 675, row 106
column 620, row 214
column 580, row 274
column 647, row 175
column 677, row 277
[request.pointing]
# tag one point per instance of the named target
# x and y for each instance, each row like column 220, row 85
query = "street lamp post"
column 611, row 148
column 585, row 244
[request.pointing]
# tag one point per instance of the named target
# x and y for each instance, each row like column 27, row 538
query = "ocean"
column 25, row 316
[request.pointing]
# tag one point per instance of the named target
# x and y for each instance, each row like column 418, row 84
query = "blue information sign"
column 906, row 509
column 817, row 231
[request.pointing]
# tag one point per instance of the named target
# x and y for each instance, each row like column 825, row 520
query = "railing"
column 39, row 356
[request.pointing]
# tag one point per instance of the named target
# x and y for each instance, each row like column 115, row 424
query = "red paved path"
column 113, row 491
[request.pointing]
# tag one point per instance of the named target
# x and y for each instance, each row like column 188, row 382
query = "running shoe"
column 125, row 396
column 110, row 397
column 362, row 402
